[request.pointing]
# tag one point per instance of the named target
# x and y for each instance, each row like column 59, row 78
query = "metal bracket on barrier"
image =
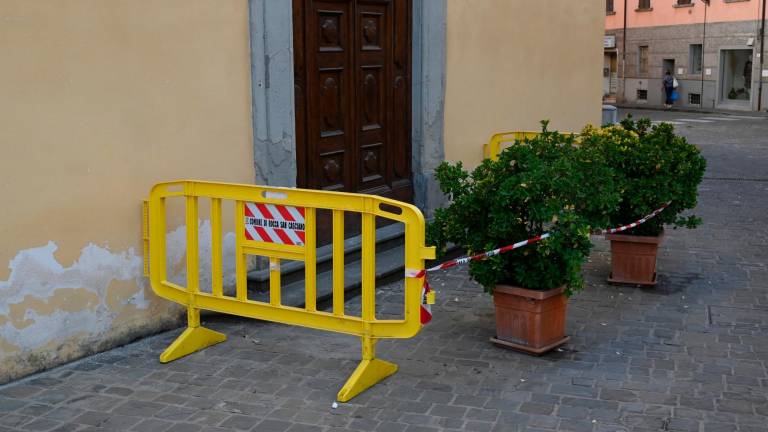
column 431, row 298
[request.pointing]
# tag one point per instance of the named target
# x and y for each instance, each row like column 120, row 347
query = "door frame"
column 273, row 100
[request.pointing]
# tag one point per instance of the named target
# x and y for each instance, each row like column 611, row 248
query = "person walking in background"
column 669, row 89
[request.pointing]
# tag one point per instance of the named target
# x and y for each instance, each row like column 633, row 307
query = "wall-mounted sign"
column 609, row 41
column 708, row 71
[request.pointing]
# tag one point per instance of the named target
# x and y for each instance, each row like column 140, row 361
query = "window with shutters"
column 695, row 58
column 642, row 60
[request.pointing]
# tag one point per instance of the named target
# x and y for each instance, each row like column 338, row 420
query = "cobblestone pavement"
column 689, row 355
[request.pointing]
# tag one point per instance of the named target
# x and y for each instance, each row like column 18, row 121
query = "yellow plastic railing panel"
column 301, row 246
column 493, row 149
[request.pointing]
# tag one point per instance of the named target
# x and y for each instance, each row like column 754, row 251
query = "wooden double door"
column 352, row 72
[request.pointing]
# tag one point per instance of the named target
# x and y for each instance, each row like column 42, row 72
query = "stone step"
column 389, row 268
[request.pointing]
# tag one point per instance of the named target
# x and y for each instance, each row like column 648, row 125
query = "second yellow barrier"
column 493, row 149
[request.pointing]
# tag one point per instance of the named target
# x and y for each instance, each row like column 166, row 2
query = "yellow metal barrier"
column 300, row 245
column 493, row 149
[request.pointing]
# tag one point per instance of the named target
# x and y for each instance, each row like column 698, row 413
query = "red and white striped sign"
column 271, row 223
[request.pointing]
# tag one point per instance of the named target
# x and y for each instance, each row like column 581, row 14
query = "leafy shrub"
column 543, row 184
column 651, row 166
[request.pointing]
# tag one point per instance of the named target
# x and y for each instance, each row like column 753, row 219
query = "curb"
column 693, row 110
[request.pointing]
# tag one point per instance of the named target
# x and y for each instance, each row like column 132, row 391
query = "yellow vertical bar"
column 414, row 240
column 310, row 260
column 369, row 267
column 274, row 282
column 193, row 317
column 338, row 262
column 192, row 247
column 241, row 281
column 193, row 271
column 157, row 253
column 369, row 348
column 216, row 266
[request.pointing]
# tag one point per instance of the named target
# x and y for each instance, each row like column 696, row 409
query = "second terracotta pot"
column 633, row 259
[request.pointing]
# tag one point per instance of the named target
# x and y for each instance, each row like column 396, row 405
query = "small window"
column 644, row 4
column 684, row 2
column 694, row 99
column 609, row 7
column 695, row 58
column 642, row 94
column 642, row 60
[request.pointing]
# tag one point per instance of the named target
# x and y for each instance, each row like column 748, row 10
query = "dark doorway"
column 667, row 65
column 352, row 79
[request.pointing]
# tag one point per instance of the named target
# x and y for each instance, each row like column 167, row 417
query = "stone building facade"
column 717, row 64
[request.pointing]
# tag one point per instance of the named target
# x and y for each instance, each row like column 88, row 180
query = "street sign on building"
column 609, row 41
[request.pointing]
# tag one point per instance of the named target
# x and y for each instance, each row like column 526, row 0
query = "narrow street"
column 688, row 355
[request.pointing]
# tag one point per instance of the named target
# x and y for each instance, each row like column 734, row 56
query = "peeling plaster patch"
column 39, row 292
column 35, row 278
column 63, row 299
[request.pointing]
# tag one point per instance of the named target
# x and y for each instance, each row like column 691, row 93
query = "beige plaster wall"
column 512, row 63
column 102, row 99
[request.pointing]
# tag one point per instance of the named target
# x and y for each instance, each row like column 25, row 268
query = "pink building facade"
column 714, row 49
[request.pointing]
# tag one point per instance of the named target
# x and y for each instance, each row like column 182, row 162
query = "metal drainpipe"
column 762, row 60
column 624, row 55
column 703, row 48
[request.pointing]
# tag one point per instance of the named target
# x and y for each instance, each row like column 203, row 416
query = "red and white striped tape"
column 634, row 224
column 426, row 309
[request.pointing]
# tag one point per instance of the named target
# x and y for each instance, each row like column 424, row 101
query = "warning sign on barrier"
column 271, row 223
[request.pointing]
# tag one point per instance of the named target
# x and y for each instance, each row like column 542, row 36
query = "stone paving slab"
column 688, row 355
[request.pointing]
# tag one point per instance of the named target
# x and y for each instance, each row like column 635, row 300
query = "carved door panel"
column 353, row 102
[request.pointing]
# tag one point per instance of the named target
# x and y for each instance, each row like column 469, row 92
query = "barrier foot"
column 193, row 339
column 368, row 373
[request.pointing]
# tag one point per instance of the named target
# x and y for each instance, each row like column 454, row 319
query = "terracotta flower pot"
column 528, row 320
column 633, row 259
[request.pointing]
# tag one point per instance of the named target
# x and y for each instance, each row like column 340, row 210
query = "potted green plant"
column 544, row 184
column 652, row 166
